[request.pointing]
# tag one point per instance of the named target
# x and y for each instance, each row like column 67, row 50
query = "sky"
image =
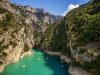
column 56, row 7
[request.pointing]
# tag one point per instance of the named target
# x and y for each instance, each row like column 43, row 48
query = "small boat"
column 61, row 61
column 46, row 58
column 62, row 66
column 23, row 66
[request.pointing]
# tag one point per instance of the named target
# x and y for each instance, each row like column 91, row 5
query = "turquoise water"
column 38, row 63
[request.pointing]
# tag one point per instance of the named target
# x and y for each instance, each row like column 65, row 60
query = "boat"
column 23, row 66
column 62, row 66
column 61, row 61
column 46, row 58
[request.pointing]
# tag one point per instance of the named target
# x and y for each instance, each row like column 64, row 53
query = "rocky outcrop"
column 6, row 5
column 37, row 14
column 13, row 42
column 63, row 57
column 20, row 28
column 77, row 71
column 77, row 36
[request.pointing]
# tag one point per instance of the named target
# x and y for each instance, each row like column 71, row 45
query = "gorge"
column 74, row 37
column 37, row 64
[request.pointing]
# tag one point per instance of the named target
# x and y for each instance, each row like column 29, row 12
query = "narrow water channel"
column 38, row 63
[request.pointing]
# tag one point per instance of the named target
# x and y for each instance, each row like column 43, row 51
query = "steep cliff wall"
column 20, row 28
column 77, row 35
column 16, row 33
column 16, row 37
column 38, row 14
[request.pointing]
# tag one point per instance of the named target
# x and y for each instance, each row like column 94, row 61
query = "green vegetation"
column 1, row 62
column 85, row 24
column 15, row 31
column 1, row 32
column 38, row 38
column 1, row 42
column 79, row 27
column 13, row 36
column 93, row 66
column 9, row 17
column 84, row 28
column 2, row 11
column 13, row 43
column 7, row 22
column 26, row 47
column 3, row 47
column 55, row 38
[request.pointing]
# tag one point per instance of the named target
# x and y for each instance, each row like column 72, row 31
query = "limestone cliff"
column 16, row 37
column 77, row 36
column 20, row 28
column 38, row 14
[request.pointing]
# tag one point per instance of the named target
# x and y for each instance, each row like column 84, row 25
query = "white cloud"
column 70, row 7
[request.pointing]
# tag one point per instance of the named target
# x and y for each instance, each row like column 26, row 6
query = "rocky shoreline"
column 17, row 59
column 63, row 57
column 77, row 71
column 26, row 53
column 72, row 70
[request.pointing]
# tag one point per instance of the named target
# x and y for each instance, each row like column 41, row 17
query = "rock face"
column 77, row 36
column 20, row 28
column 77, row 71
column 6, row 5
column 38, row 14
column 15, row 39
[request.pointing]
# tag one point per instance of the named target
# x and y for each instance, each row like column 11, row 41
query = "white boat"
column 62, row 66
column 23, row 66
column 61, row 61
column 46, row 58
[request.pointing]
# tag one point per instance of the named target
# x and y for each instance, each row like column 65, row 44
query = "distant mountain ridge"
column 39, row 14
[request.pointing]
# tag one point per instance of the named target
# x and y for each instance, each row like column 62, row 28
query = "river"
column 38, row 63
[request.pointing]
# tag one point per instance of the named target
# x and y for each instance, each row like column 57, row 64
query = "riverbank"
column 77, row 71
column 72, row 70
column 63, row 57
column 38, row 63
column 15, row 60
column 26, row 53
